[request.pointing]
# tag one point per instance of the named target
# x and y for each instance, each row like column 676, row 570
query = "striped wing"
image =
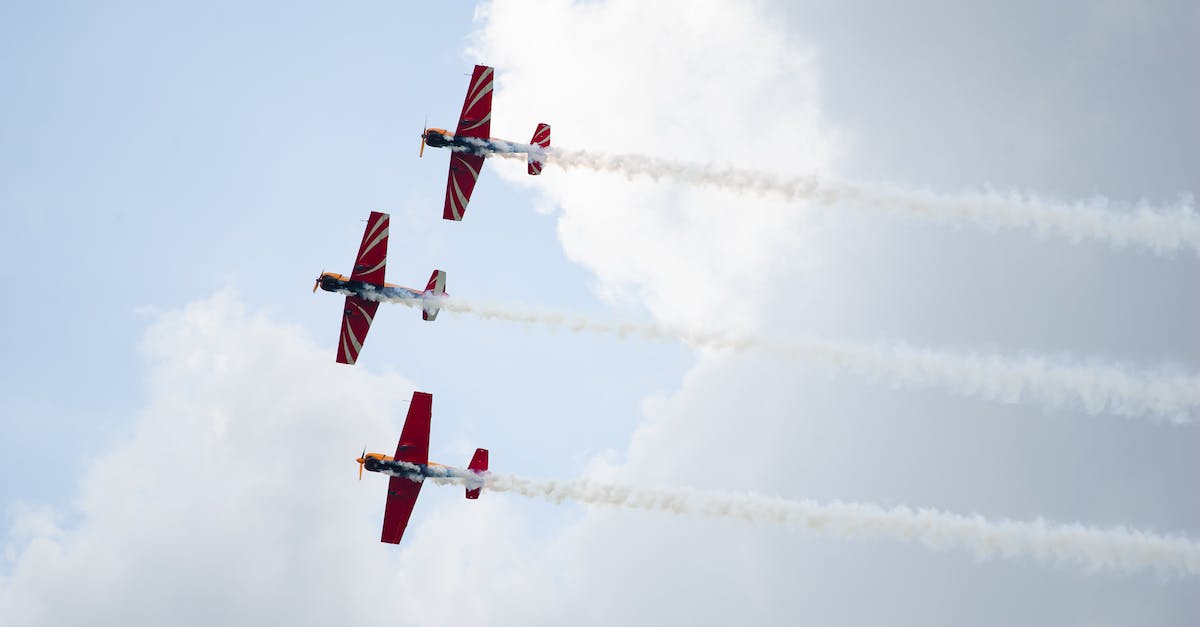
column 476, row 117
column 371, row 263
column 464, row 171
column 356, row 321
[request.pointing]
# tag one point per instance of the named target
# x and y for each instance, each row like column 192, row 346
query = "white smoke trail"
column 1161, row 229
column 1051, row 382
column 1116, row 548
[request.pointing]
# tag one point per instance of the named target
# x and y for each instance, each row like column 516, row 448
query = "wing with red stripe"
column 401, row 497
column 464, row 171
column 476, row 117
column 356, row 321
column 371, row 262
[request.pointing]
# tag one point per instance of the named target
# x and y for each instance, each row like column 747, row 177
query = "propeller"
column 317, row 283
column 362, row 460
column 423, row 131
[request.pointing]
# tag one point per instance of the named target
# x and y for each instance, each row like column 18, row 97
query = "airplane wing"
column 414, row 449
column 464, row 170
column 356, row 321
column 474, row 121
column 401, row 497
column 371, row 262
column 476, row 117
column 414, row 439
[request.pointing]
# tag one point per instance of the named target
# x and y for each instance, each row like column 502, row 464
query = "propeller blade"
column 424, row 130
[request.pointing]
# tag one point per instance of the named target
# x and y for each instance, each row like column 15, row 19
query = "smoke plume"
column 1095, row 549
column 1163, row 394
column 1164, row 230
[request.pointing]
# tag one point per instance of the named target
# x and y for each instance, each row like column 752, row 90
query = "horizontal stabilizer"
column 478, row 465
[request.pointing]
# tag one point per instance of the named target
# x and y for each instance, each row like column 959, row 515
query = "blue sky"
column 156, row 155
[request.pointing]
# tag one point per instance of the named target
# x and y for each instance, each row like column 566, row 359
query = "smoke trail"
column 1161, row 229
column 1051, row 382
column 1116, row 549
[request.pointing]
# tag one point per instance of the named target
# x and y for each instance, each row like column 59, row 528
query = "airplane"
column 365, row 286
column 410, row 466
column 470, row 143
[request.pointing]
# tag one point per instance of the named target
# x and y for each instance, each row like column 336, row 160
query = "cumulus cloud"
column 731, row 84
column 235, row 501
column 614, row 76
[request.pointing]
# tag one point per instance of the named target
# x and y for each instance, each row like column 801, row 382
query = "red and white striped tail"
column 435, row 287
column 541, row 137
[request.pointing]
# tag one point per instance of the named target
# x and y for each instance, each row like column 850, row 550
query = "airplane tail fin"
column 435, row 287
column 478, row 465
column 541, row 137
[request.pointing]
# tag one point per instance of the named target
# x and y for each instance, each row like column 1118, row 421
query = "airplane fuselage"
column 441, row 138
column 378, row 462
column 331, row 282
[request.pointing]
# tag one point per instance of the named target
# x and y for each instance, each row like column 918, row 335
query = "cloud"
column 732, row 84
column 669, row 80
column 235, row 500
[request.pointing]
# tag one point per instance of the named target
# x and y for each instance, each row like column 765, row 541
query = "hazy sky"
column 179, row 442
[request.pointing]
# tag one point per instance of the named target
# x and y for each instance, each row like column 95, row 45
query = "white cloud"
column 235, row 501
column 730, row 83
column 698, row 81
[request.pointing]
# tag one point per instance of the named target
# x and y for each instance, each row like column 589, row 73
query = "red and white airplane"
column 365, row 287
column 470, row 143
column 410, row 466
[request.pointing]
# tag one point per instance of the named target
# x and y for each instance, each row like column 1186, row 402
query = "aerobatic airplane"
column 470, row 143
column 365, row 287
column 410, row 466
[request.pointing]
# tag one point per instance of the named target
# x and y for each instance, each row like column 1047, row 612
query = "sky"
column 179, row 442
